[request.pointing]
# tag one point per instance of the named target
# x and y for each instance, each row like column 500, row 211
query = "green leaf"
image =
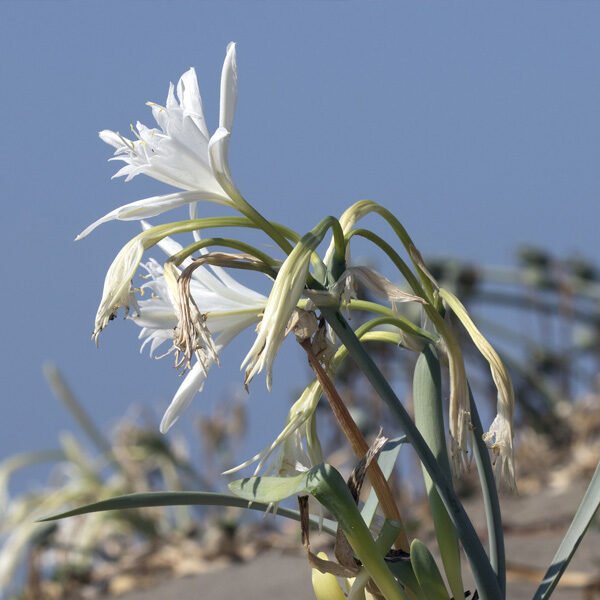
column 489, row 494
column 583, row 517
column 386, row 460
column 429, row 418
column 427, row 572
column 330, row 489
column 484, row 574
column 149, row 499
column 402, row 569
column 271, row 489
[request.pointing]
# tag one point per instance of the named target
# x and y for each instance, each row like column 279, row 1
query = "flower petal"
column 191, row 101
column 218, row 156
column 117, row 292
column 149, row 207
column 192, row 384
column 112, row 139
column 228, row 88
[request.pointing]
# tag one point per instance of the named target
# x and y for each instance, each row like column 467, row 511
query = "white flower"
column 229, row 306
column 181, row 153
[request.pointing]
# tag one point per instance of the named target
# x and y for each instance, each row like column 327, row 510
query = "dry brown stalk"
column 359, row 445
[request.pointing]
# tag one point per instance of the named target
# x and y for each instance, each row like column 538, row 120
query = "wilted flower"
column 500, row 435
column 280, row 307
column 375, row 282
column 181, row 153
column 117, row 292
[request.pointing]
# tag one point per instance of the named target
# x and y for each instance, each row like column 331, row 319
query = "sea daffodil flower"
column 228, row 306
column 181, row 153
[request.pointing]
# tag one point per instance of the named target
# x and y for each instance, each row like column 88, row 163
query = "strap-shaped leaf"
column 583, row 517
column 386, row 460
column 271, row 489
column 330, row 489
column 427, row 572
column 150, row 499
column 427, row 394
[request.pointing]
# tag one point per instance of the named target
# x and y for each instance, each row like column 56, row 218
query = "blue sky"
column 478, row 124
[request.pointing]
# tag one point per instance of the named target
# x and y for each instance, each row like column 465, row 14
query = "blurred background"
column 478, row 125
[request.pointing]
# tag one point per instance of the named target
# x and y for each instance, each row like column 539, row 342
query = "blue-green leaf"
column 427, row 572
column 583, row 517
column 386, row 460
column 148, row 499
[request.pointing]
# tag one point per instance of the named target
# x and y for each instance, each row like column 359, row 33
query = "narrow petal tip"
column 165, row 425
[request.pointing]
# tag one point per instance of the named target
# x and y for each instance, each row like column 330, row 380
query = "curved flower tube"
column 181, row 153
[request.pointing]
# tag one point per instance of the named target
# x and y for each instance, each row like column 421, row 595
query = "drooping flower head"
column 499, row 437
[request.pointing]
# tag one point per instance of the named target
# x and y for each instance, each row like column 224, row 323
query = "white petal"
column 218, row 155
column 117, row 292
column 192, row 384
column 112, row 138
column 191, row 101
column 228, row 88
column 148, row 207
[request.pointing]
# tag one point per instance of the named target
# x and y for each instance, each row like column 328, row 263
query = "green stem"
column 155, row 234
column 485, row 577
column 313, row 238
column 267, row 226
column 394, row 257
column 178, row 258
column 407, row 324
column 403, row 236
column 401, row 323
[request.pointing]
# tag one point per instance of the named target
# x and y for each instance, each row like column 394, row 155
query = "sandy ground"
column 534, row 529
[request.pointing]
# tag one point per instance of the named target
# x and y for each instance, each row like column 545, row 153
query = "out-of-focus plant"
column 544, row 315
column 99, row 550
column 195, row 307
